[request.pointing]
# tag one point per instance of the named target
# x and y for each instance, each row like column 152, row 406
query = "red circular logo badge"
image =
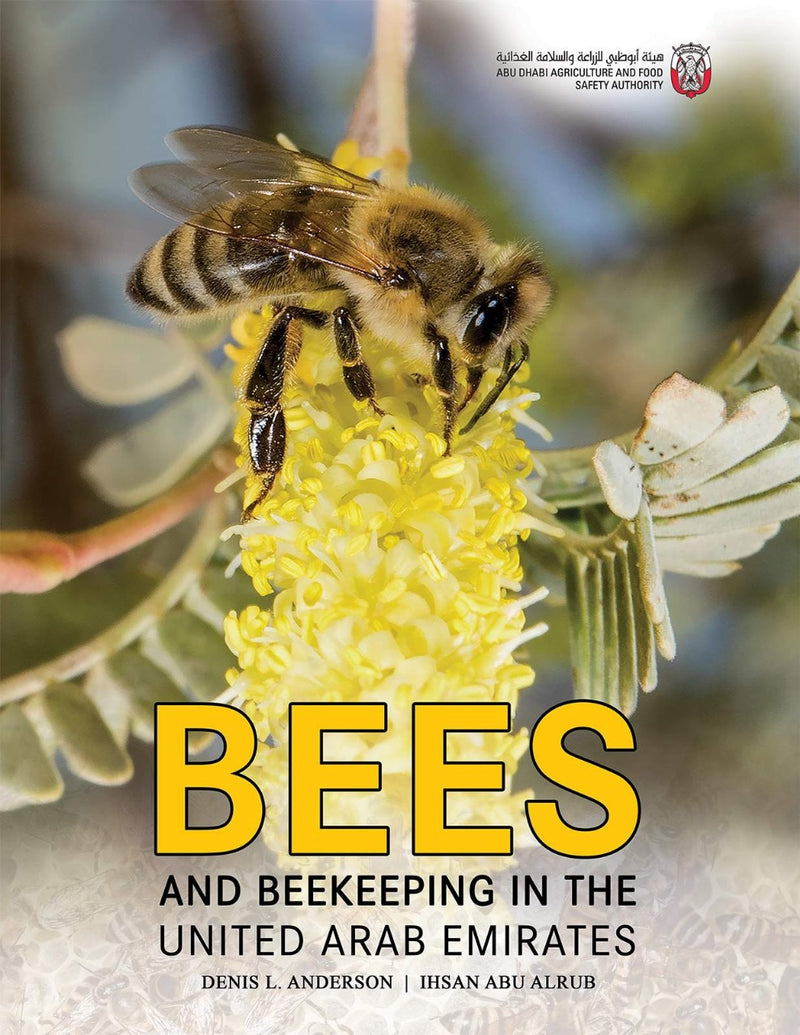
column 690, row 69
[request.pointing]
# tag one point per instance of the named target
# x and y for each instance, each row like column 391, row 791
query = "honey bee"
column 418, row 270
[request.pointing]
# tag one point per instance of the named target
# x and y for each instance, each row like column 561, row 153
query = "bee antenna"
column 509, row 369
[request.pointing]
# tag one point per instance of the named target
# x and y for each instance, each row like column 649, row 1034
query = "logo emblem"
column 690, row 69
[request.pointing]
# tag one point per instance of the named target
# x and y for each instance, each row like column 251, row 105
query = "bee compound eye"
column 487, row 324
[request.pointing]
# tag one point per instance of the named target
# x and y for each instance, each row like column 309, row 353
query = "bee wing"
column 235, row 157
column 273, row 212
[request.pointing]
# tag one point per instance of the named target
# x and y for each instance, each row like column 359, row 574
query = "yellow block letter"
column 175, row 776
column 310, row 776
column 434, row 776
column 605, row 786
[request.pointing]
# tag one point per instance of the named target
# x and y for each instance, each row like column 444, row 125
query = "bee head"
column 515, row 299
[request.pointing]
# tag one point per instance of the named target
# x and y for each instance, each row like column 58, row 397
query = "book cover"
column 399, row 623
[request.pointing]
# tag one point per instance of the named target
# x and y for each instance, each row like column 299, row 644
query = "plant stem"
column 393, row 32
column 126, row 630
column 738, row 362
column 33, row 562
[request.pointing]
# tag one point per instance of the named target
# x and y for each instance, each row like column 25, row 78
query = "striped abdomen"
column 193, row 271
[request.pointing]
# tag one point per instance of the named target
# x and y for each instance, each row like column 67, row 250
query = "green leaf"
column 594, row 602
column 781, row 364
column 651, row 584
column 226, row 593
column 144, row 684
column 116, row 364
column 27, row 773
column 767, row 470
column 110, row 701
column 611, row 660
column 149, row 457
column 192, row 651
column 645, row 639
column 627, row 689
column 620, row 479
column 679, row 415
column 614, row 595
column 88, row 745
column 755, row 423
column 723, row 546
column 766, row 509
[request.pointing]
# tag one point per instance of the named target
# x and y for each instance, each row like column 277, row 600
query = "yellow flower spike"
column 392, row 569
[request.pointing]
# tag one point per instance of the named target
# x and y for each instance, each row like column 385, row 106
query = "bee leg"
column 474, row 378
column 266, row 437
column 357, row 375
column 444, row 379
column 510, row 367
